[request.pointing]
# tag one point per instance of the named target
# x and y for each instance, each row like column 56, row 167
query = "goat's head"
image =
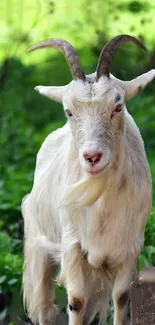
column 95, row 104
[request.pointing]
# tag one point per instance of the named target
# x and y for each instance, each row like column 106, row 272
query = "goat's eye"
column 68, row 112
column 118, row 108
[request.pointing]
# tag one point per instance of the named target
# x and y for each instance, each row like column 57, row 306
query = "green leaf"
column 12, row 281
column 2, row 279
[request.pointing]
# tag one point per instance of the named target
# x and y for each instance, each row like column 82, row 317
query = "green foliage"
column 10, row 261
column 26, row 118
column 147, row 256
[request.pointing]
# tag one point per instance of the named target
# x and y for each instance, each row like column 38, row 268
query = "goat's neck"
column 119, row 166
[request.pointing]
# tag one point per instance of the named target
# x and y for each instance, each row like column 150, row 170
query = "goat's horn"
column 69, row 53
column 105, row 59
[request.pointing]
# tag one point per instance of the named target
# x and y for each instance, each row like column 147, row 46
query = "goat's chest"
column 109, row 237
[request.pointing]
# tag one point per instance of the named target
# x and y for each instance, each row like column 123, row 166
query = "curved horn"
column 105, row 59
column 69, row 53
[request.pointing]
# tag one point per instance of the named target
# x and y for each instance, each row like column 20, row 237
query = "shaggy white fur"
column 83, row 193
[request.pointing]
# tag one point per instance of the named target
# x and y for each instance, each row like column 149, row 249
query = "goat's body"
column 110, row 232
column 91, row 195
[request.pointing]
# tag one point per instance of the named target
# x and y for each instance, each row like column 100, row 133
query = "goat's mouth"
column 98, row 172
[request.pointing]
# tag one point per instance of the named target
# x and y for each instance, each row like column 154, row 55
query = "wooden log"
column 142, row 295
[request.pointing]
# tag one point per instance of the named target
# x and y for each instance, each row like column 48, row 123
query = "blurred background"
column 26, row 118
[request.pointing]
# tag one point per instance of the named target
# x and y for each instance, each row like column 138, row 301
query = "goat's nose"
column 92, row 158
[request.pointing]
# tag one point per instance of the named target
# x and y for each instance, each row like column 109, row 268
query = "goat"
column 91, row 195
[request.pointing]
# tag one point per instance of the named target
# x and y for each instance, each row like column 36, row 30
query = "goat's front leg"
column 125, row 274
column 75, row 276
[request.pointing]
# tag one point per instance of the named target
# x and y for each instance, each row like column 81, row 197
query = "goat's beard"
column 83, row 193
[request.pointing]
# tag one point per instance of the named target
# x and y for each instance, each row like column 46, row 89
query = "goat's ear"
column 132, row 87
column 55, row 93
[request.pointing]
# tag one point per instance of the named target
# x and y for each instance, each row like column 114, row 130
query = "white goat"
column 91, row 195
